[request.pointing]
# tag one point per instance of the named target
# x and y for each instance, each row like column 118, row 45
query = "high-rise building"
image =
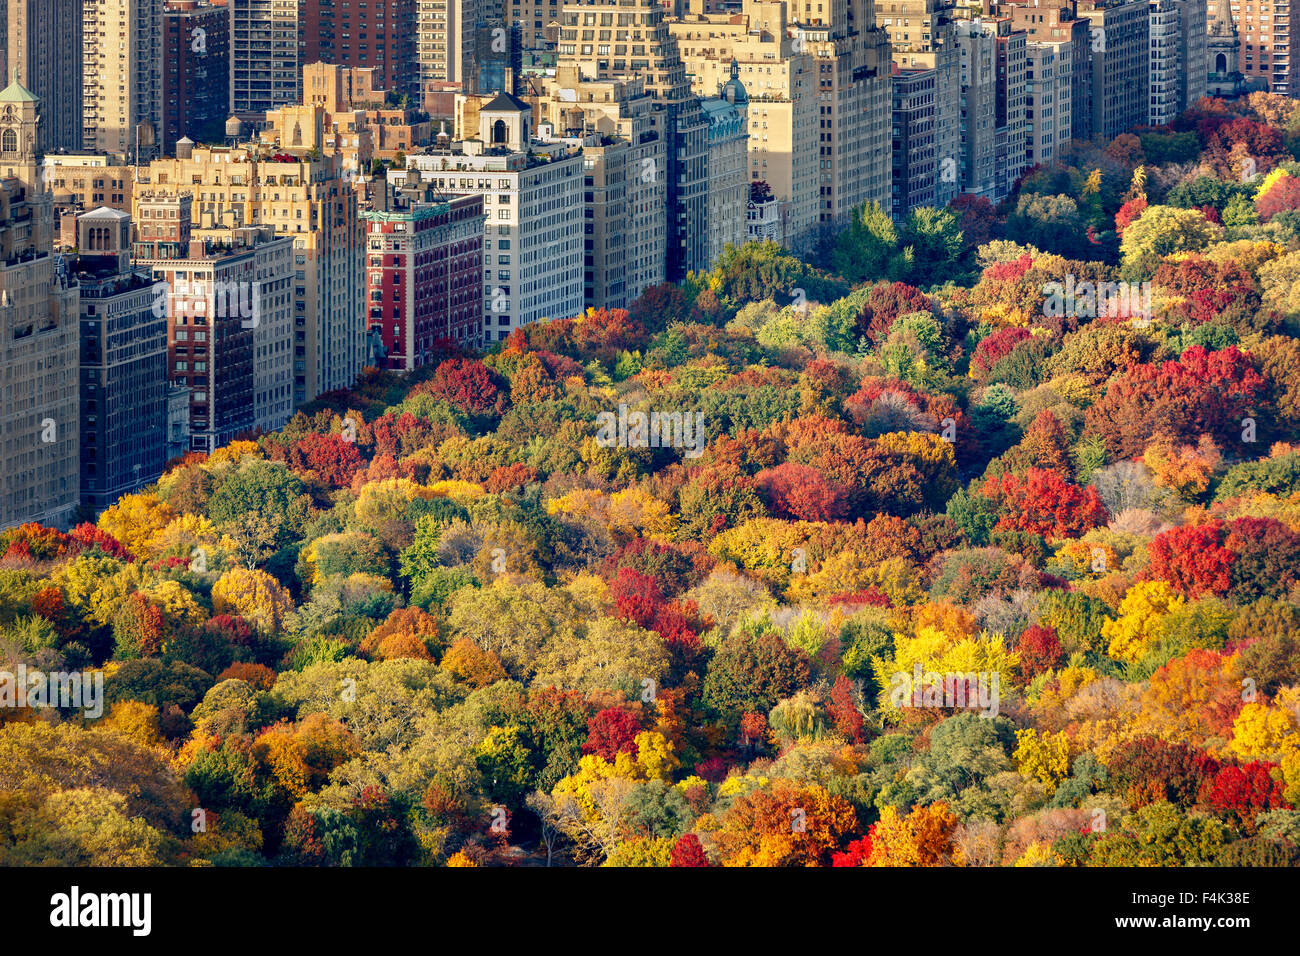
column 424, row 266
column 915, row 160
column 1121, row 80
column 979, row 109
column 39, row 476
column 786, row 111
column 624, row 168
column 296, row 184
column 923, row 37
column 1011, row 101
column 445, row 46
column 533, row 202
column 1057, row 21
column 196, row 72
column 1177, row 63
column 370, row 127
column 44, row 54
column 853, row 95
column 728, row 188
column 123, row 363
column 1049, row 100
column 122, row 64
column 1266, row 35
column 266, row 55
column 379, row 35
column 612, row 39
column 229, row 306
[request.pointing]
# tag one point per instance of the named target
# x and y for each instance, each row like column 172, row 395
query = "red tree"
column 687, row 851
column 1042, row 502
column 1192, row 560
column 611, row 732
column 1039, row 649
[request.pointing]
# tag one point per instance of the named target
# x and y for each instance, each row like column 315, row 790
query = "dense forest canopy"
column 1044, row 454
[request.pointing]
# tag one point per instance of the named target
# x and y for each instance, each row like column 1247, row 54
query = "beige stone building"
column 784, row 114
column 89, row 180
column 39, row 454
column 624, row 164
column 923, row 37
column 296, row 183
column 122, row 107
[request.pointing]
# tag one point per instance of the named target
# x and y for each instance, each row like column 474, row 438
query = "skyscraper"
column 44, row 42
column 38, row 335
column 122, row 74
column 1121, row 53
column 196, row 72
column 266, row 53
column 123, row 363
column 923, row 37
column 610, row 39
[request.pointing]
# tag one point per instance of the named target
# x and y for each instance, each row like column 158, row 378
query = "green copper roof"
column 15, row 92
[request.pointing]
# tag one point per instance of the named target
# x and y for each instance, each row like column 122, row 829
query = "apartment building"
column 1264, row 29
column 612, row 39
column 89, row 180
column 267, row 49
column 853, row 102
column 979, row 110
column 228, row 300
column 378, row 35
column 44, row 54
column 196, row 72
column 1055, row 22
column 915, row 159
column 728, row 186
column 923, row 37
column 1121, row 80
column 624, row 171
column 355, row 104
column 785, row 109
column 122, row 369
column 424, row 263
column 1049, row 100
column 533, row 203
column 296, row 183
column 445, row 44
column 39, row 465
column 122, row 62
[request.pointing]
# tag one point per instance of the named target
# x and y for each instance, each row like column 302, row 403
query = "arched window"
column 9, row 142
column 1221, row 63
column 499, row 131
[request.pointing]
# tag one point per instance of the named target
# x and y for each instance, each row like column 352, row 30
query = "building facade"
column 229, row 305
column 39, row 464
column 266, row 55
column 123, row 364
column 1121, row 80
column 424, row 262
column 45, row 54
column 625, row 166
column 533, row 206
column 122, row 62
column 196, row 72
